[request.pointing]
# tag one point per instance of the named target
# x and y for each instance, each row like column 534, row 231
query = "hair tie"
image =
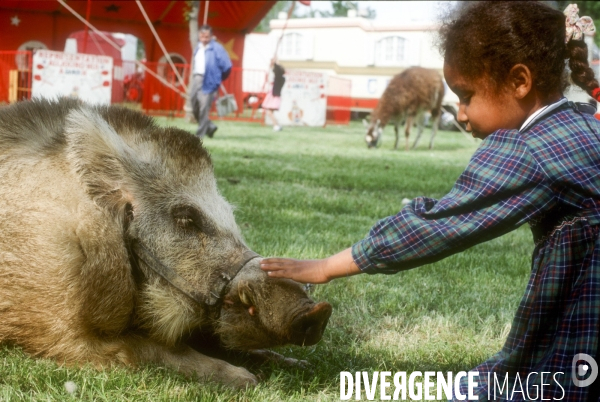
column 576, row 26
column 596, row 94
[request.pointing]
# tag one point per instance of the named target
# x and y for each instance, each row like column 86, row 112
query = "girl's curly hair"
column 488, row 38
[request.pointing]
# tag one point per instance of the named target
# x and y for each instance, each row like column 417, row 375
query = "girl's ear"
column 520, row 80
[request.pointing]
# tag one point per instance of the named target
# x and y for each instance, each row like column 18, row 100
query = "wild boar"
column 115, row 245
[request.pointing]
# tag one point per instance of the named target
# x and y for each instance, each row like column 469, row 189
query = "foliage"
column 189, row 7
column 281, row 5
column 140, row 50
column 339, row 9
column 308, row 193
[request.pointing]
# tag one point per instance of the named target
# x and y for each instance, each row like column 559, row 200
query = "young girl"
column 539, row 163
column 272, row 101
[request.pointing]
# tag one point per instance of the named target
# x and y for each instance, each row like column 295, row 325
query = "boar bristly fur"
column 78, row 185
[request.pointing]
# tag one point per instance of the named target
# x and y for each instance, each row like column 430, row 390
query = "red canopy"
column 50, row 23
column 222, row 15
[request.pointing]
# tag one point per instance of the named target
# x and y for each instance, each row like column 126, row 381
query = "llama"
column 407, row 96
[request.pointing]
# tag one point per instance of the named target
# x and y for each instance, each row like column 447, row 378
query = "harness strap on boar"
column 218, row 284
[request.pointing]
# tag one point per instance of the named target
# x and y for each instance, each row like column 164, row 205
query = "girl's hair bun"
column 577, row 27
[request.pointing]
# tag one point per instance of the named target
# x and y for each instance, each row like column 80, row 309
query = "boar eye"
column 187, row 218
column 193, row 220
column 184, row 222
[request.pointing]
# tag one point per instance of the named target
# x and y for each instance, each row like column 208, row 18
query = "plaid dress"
column 547, row 175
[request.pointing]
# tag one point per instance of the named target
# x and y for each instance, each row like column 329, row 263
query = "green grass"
column 309, row 193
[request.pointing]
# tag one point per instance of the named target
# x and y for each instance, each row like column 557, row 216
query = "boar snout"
column 307, row 329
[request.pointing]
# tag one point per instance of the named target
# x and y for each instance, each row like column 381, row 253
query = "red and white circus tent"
column 48, row 24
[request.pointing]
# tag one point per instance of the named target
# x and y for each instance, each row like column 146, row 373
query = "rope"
column 289, row 14
column 87, row 18
column 462, row 130
column 113, row 44
column 97, row 44
column 162, row 47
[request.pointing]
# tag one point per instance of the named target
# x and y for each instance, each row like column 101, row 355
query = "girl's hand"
column 311, row 271
column 305, row 271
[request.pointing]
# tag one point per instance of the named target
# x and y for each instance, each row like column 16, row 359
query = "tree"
column 339, row 9
column 263, row 25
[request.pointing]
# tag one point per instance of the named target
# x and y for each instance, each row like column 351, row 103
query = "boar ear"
column 245, row 293
column 98, row 156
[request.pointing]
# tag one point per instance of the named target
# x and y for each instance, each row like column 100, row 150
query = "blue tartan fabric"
column 547, row 176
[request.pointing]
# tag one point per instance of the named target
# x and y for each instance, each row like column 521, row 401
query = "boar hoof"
column 295, row 363
column 268, row 356
column 240, row 378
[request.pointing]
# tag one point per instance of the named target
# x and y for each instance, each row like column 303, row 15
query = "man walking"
column 211, row 66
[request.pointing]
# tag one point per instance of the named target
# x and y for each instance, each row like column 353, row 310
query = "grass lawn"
column 309, row 193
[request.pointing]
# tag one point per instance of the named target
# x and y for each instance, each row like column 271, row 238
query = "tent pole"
column 87, row 18
column 205, row 12
column 113, row 44
column 162, row 47
column 289, row 15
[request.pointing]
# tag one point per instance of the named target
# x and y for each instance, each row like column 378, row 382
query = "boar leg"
column 209, row 344
column 267, row 356
column 187, row 361
column 136, row 351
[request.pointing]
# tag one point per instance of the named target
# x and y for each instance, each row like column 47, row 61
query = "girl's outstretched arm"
column 312, row 271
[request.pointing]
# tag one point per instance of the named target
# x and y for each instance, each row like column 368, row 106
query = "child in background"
column 538, row 163
column 273, row 99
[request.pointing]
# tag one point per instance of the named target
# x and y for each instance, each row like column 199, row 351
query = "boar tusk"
column 244, row 298
column 244, row 293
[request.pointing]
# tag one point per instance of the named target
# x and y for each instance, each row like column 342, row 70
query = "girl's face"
column 481, row 108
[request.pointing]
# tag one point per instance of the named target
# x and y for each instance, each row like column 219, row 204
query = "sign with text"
column 82, row 76
column 303, row 99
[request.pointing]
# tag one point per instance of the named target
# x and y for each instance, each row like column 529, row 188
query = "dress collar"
column 541, row 112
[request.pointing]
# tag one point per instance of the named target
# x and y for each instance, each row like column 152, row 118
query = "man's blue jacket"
column 218, row 66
